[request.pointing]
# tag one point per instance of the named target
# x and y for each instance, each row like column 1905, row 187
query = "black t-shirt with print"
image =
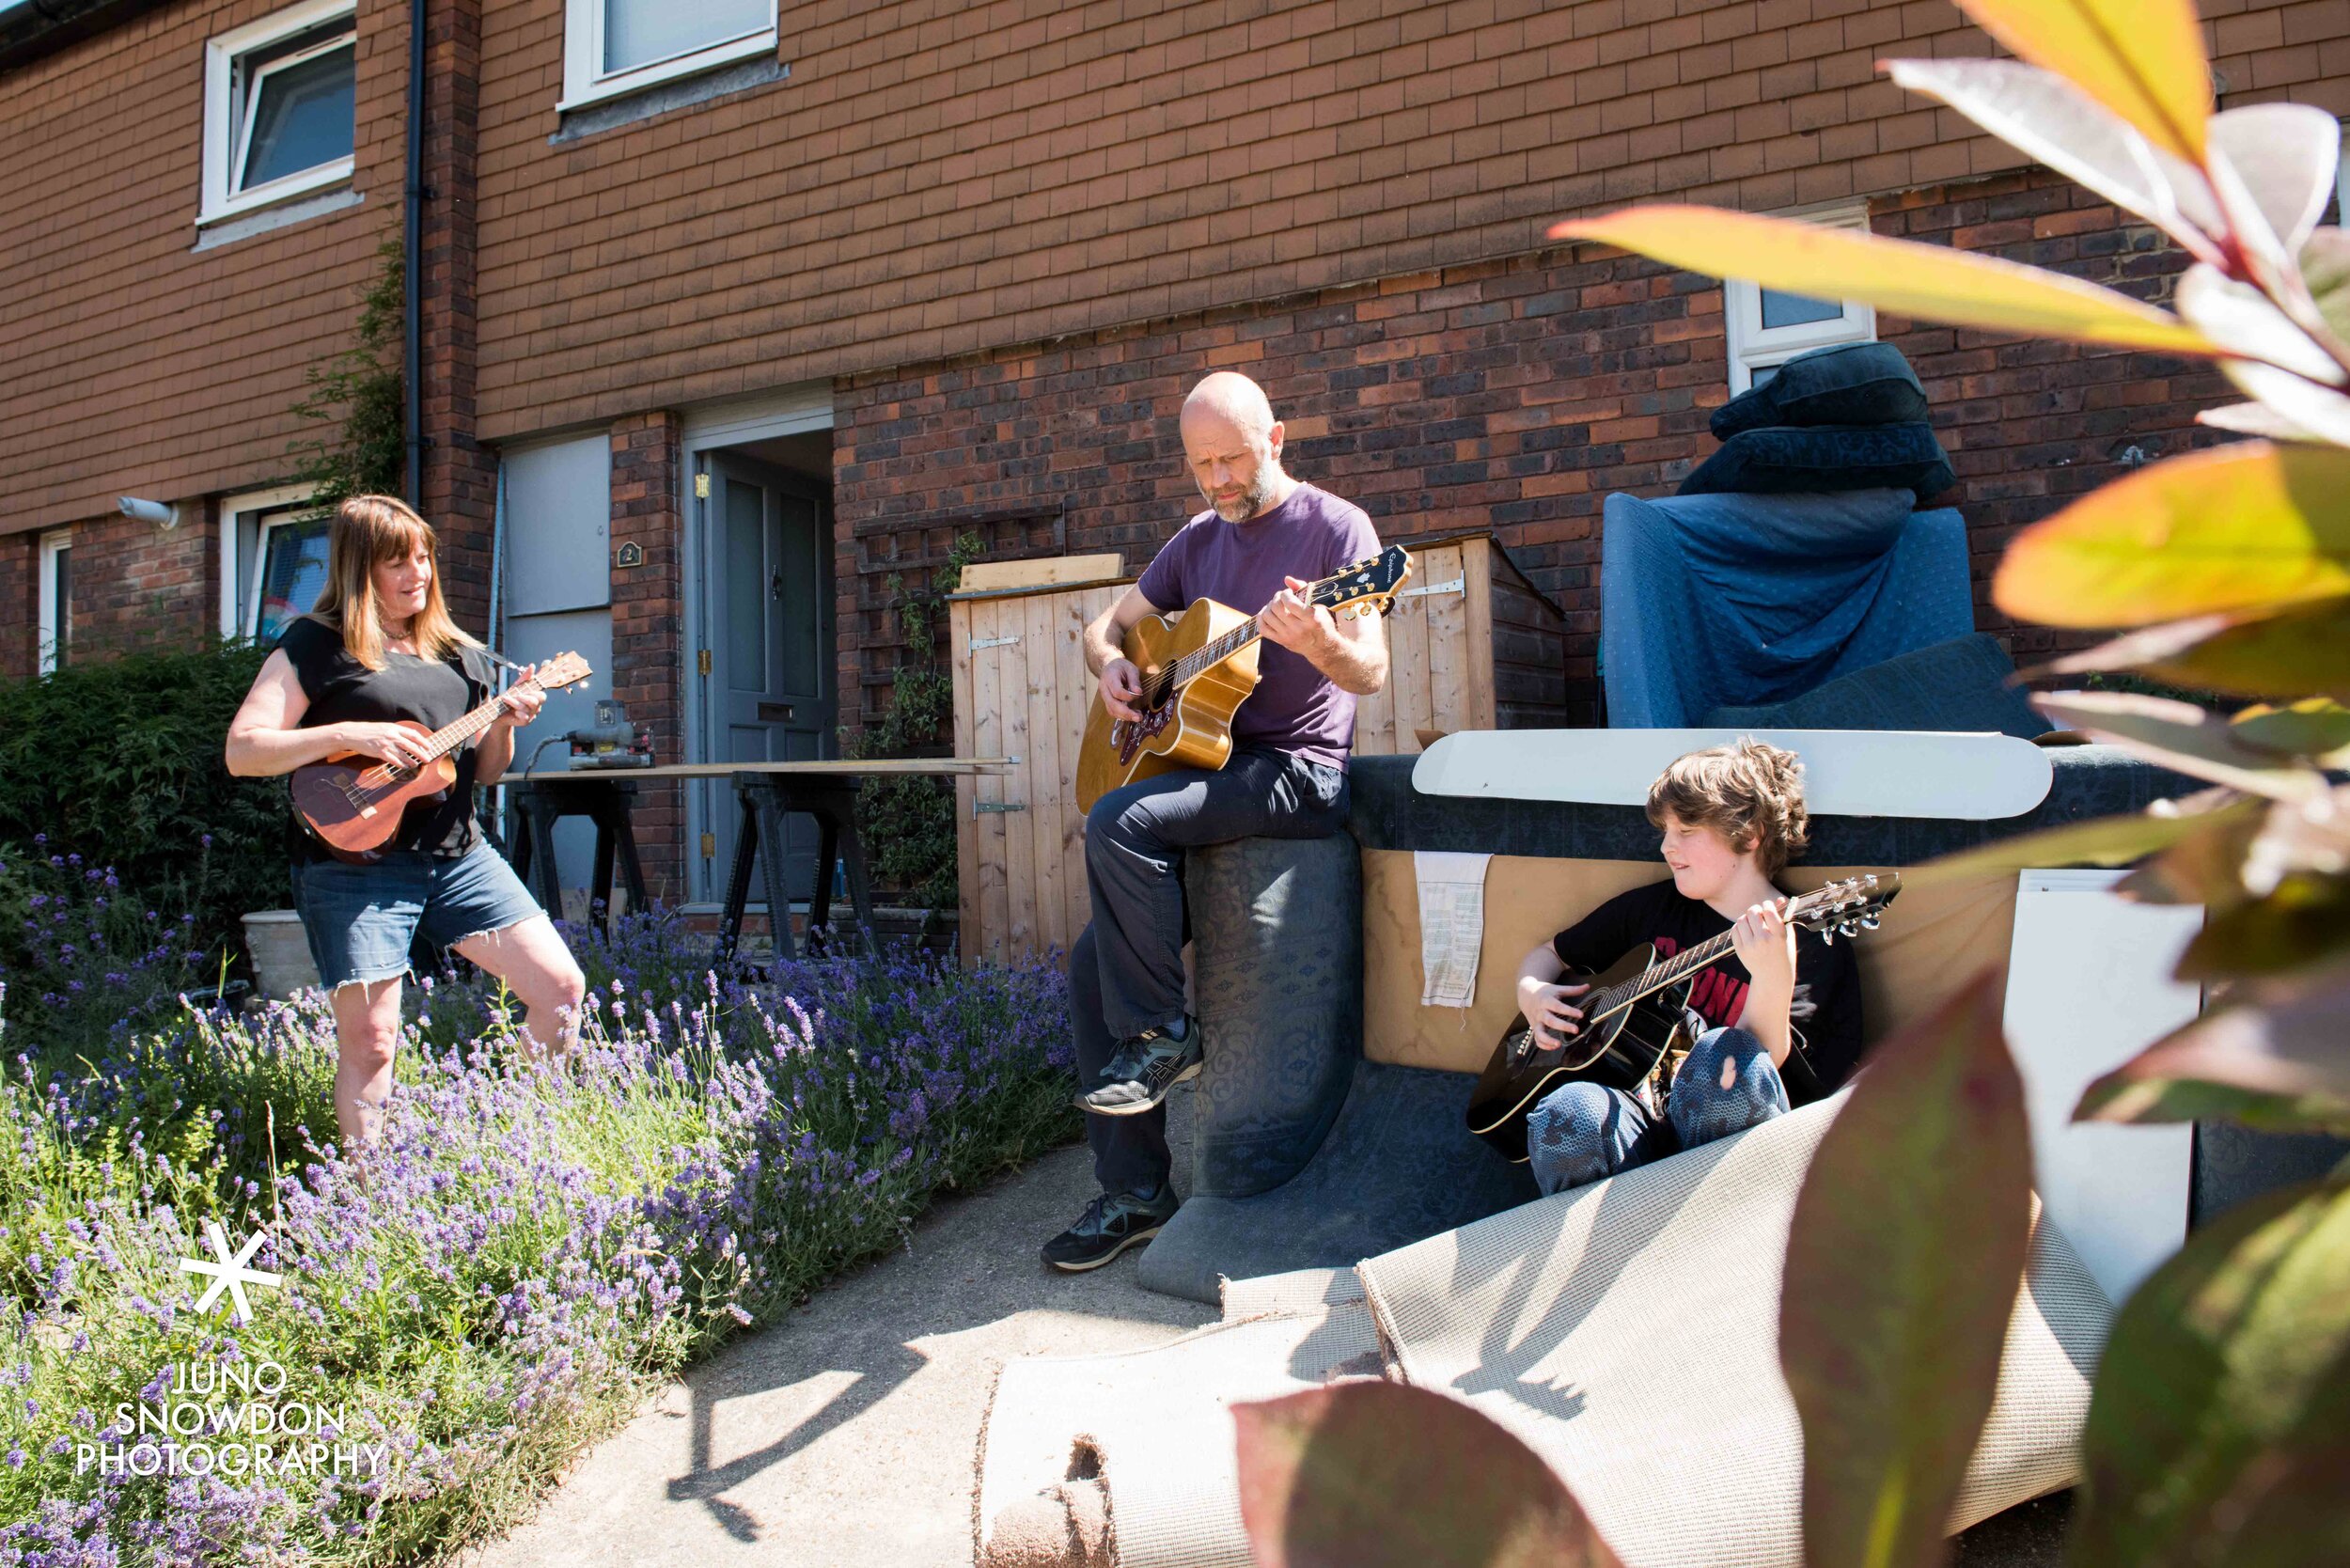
column 1825, row 1013
column 435, row 692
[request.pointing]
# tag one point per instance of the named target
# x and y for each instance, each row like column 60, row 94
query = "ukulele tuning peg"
column 1828, row 936
column 1869, row 922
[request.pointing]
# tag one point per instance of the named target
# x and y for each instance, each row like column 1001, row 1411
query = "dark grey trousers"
column 1126, row 971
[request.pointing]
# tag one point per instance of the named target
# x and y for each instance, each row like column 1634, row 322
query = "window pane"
column 302, row 118
column 1786, row 311
column 640, row 32
column 62, row 590
column 293, row 571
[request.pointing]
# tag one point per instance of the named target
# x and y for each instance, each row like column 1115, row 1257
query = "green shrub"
column 120, row 764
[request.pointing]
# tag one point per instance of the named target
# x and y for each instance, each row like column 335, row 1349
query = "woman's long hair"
column 368, row 531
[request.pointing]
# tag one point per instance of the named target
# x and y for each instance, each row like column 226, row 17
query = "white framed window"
column 1766, row 328
column 280, row 107
column 273, row 561
column 57, row 600
column 611, row 47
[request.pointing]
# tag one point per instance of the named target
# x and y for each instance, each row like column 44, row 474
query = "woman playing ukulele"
column 373, row 669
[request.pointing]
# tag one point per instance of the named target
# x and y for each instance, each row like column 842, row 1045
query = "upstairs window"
column 618, row 46
column 280, row 107
column 1767, row 328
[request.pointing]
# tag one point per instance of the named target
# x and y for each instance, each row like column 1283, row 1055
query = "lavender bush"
column 84, row 955
column 530, row 1245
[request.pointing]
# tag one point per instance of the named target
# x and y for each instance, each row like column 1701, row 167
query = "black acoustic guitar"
column 1633, row 1017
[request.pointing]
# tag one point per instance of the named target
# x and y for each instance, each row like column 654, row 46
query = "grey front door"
column 768, row 601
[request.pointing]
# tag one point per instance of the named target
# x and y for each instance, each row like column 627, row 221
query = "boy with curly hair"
column 1731, row 816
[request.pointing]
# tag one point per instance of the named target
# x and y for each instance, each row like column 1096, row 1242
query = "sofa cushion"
column 1851, row 384
column 1959, row 684
column 1789, row 459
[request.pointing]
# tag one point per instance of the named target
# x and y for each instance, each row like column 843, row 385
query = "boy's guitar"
column 1196, row 669
column 353, row 804
column 1633, row 1018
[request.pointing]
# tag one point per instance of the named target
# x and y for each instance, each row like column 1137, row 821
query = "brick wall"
column 648, row 670
column 938, row 178
column 459, row 475
column 19, row 607
column 135, row 364
column 1509, row 394
column 137, row 586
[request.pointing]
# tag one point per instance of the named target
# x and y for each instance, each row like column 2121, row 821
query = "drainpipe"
column 412, row 260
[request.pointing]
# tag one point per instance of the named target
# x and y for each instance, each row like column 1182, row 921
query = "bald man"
column 1265, row 539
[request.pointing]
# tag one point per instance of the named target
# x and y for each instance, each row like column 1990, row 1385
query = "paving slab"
column 846, row 1436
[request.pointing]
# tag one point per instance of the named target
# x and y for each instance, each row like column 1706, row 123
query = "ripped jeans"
column 1581, row 1132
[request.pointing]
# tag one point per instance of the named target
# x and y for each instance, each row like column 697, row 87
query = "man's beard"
column 1251, row 500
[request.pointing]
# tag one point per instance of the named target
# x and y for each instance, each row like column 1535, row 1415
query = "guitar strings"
column 1162, row 685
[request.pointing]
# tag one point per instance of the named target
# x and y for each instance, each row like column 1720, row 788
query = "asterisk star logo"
column 229, row 1274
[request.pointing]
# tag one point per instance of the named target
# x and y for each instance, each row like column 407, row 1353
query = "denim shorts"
column 360, row 919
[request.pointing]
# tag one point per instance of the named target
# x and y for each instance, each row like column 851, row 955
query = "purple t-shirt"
column 1312, row 535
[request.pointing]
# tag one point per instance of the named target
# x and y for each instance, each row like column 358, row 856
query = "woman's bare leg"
column 535, row 965
column 367, row 1027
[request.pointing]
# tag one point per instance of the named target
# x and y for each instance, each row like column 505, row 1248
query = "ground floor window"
column 272, row 562
column 1767, row 328
column 56, row 598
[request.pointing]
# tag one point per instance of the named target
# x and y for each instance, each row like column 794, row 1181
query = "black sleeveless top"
column 433, row 693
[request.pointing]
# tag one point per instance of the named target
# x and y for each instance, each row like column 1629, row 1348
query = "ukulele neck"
column 451, row 736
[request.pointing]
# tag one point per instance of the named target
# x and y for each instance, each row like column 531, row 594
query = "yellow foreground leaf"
column 2143, row 60
column 2234, row 528
column 1934, row 282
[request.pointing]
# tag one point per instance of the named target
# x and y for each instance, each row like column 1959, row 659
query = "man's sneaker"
column 1113, row 1222
column 1144, row 1068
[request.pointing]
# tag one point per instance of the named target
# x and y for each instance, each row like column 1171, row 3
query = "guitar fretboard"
column 1687, row 962
column 451, row 736
column 1175, row 676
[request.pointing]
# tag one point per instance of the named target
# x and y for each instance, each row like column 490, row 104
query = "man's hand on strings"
column 1297, row 622
column 1549, row 1013
column 1121, row 688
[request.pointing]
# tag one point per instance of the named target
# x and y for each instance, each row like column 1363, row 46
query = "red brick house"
column 727, row 312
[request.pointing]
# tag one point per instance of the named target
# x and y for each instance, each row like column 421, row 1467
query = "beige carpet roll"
column 1628, row 1331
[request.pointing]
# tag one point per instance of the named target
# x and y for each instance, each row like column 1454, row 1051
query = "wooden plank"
column 1449, row 653
column 1045, row 571
column 1073, row 613
column 1478, row 566
column 1407, row 676
column 1012, row 622
column 987, row 729
column 940, row 767
column 966, row 790
column 1374, row 715
column 1043, row 769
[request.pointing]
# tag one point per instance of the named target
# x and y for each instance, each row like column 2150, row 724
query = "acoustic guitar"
column 351, row 803
column 1634, row 1026
column 1198, row 667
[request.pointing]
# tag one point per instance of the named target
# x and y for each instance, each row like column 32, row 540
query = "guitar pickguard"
column 1131, row 735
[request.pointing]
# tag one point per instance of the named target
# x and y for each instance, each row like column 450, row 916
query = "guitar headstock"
column 1369, row 585
column 1843, row 907
column 561, row 670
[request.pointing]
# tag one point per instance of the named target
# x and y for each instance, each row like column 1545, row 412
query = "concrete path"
column 845, row 1436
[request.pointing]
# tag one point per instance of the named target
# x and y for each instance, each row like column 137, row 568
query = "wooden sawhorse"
column 532, row 808
column 767, row 798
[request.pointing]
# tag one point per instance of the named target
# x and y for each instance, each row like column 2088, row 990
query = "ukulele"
column 1198, row 667
column 351, row 803
column 1633, row 1018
